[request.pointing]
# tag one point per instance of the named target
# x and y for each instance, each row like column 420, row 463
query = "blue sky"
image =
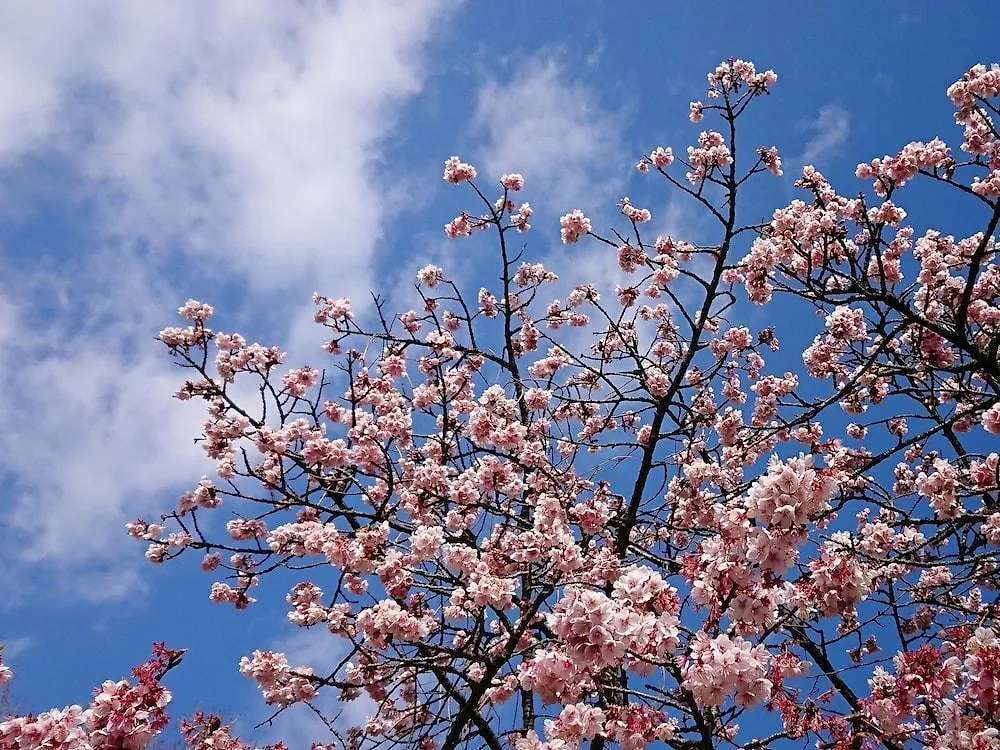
column 251, row 153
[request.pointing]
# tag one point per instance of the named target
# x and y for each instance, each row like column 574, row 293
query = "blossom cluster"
column 279, row 683
column 599, row 631
column 720, row 667
column 121, row 714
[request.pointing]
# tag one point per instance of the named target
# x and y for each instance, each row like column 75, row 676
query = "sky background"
column 251, row 153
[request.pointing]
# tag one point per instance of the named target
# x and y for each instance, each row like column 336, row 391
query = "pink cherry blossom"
column 574, row 225
column 456, row 171
column 991, row 419
column 512, row 181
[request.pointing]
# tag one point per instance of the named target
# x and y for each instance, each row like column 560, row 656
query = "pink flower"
column 733, row 74
column 196, row 311
column 770, row 158
column 638, row 215
column 426, row 542
column 388, row 620
column 991, row 419
column 791, row 493
column 332, row 310
column 662, row 157
column 430, row 276
column 577, row 722
column 279, row 683
column 537, row 399
column 533, row 274
column 456, row 171
column 458, row 227
column 512, row 181
column 519, row 219
column 723, row 667
column 569, row 502
column 553, row 677
column 712, row 154
column 574, row 225
column 300, row 380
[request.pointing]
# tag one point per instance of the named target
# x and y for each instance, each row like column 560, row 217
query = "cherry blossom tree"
column 627, row 517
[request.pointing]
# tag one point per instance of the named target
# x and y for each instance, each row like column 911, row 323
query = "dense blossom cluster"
column 719, row 668
column 599, row 631
column 457, row 171
column 121, row 715
column 574, row 226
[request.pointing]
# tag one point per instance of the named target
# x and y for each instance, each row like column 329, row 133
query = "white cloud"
column 121, row 440
column 554, row 130
column 243, row 133
column 8, row 320
column 829, row 131
column 92, row 435
column 14, row 646
column 236, row 142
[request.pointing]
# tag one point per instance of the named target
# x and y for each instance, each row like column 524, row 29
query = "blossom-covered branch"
column 681, row 533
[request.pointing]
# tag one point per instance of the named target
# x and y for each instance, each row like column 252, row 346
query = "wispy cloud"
column 92, row 436
column 14, row 646
column 829, row 131
column 553, row 129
